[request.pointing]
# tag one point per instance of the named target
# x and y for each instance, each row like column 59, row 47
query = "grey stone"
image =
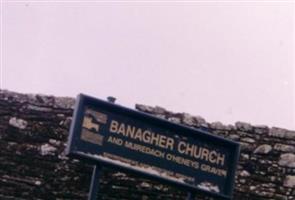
column 47, row 149
column 284, row 148
column 67, row 122
column 54, row 142
column 260, row 129
column 244, row 173
column 209, row 187
column 200, row 120
column 248, row 140
column 282, row 133
column 263, row 149
column 18, row 123
column 287, row 160
column 174, row 120
column 188, row 119
column 241, row 180
column 159, row 110
column 144, row 108
column 218, row 126
column 38, row 108
column 232, row 127
column 48, row 100
column 244, row 126
column 280, row 197
column 289, row 181
column 38, row 183
column 247, row 147
column 245, row 156
column 205, row 125
column 64, row 102
column 160, row 116
column 234, row 137
column 252, row 187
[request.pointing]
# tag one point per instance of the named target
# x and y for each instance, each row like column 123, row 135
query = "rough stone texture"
column 287, row 160
column 33, row 135
column 263, row 149
column 18, row 123
column 290, row 181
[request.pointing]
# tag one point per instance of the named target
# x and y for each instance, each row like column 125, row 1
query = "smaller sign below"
column 155, row 148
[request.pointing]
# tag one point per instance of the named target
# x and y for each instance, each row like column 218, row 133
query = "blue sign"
column 132, row 141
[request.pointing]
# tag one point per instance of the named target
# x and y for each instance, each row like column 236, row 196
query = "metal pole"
column 190, row 196
column 94, row 186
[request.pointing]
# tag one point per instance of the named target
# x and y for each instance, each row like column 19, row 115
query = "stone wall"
column 33, row 135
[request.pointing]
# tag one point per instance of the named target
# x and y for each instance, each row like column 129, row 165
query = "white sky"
column 225, row 61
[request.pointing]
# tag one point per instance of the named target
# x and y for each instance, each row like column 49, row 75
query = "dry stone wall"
column 33, row 136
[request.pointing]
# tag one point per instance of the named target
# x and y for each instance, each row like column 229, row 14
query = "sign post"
column 127, row 140
column 190, row 196
column 96, row 174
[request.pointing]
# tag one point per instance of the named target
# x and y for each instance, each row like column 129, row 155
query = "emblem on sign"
column 92, row 122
